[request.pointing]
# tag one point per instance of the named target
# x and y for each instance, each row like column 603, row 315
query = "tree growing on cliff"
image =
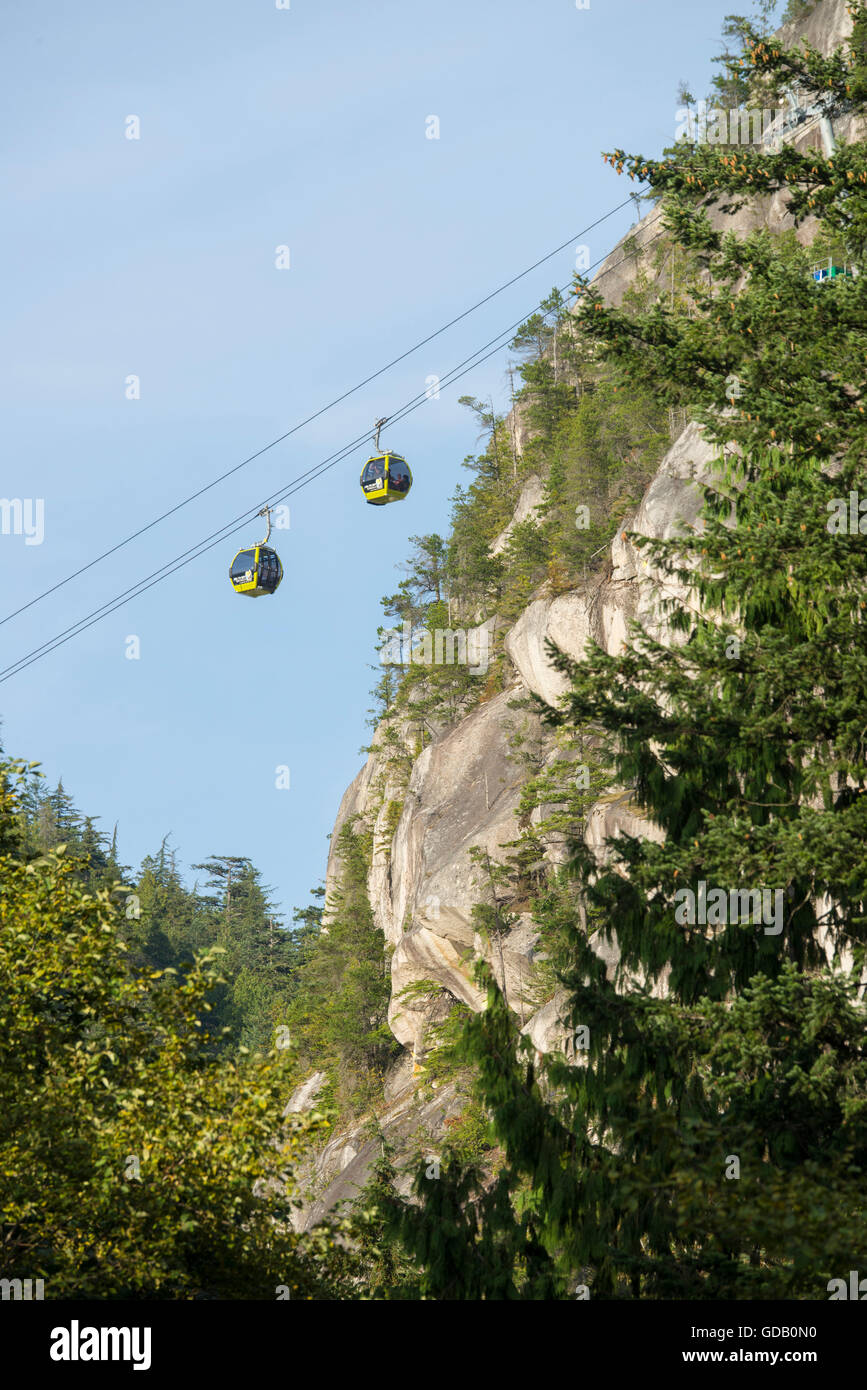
column 797, row 9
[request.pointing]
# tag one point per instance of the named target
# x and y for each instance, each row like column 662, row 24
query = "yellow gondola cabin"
column 385, row 478
column 257, row 570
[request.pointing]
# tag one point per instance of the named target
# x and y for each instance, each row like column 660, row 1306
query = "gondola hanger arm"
column 377, row 427
column 266, row 511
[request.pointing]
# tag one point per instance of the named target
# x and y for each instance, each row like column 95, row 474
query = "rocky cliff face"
column 464, row 788
column 463, row 795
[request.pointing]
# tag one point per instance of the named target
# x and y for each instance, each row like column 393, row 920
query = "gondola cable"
column 309, row 419
column 217, row 537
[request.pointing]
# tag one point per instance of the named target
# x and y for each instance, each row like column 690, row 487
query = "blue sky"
column 262, row 127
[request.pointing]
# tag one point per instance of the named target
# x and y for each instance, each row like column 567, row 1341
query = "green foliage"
column 467, row 1136
column 50, row 819
column 441, row 1045
column 469, row 1235
column 595, row 440
column 424, row 681
column 18, row 790
column 260, row 957
column 600, row 459
column 393, row 812
column 131, row 1155
column 338, row 1016
column 797, row 9
column 165, row 923
column 382, row 1266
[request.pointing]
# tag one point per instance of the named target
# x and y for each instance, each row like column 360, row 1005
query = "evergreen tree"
column 304, row 934
column 62, row 817
column 167, row 924
column 426, row 567
column 95, row 851
column 224, row 871
column 20, row 785
column 260, row 957
column 797, row 9
column 552, row 359
column 338, row 1016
